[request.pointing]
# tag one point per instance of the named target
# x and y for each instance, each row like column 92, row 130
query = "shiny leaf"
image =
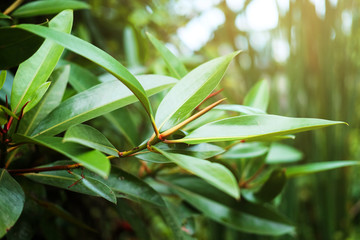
column 34, row 72
column 126, row 185
column 175, row 66
column 253, row 127
column 73, row 182
column 214, row 173
column 190, row 91
column 91, row 159
column 51, row 100
column 202, row 151
column 95, row 55
column 310, row 168
column 246, row 150
column 240, row 109
column 89, row 137
column 98, row 100
column 12, row 200
column 240, row 215
column 44, row 7
column 281, row 153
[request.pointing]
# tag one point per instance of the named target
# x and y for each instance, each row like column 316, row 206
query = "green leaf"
column 281, row 153
column 253, row 127
column 73, row 182
column 4, row 113
column 32, row 73
column 7, row 111
column 246, row 150
column 240, row 109
column 190, row 91
column 80, row 78
column 318, row 167
column 122, row 120
column 2, row 78
column 89, row 137
column 51, row 100
column 214, row 173
column 210, row 116
column 126, row 185
column 90, row 159
column 271, row 188
column 12, row 200
column 175, row 66
column 93, row 103
column 202, row 151
column 16, row 45
column 3, row 16
column 95, row 55
column 131, row 47
column 44, row 7
column 258, row 96
column 243, row 216
column 37, row 95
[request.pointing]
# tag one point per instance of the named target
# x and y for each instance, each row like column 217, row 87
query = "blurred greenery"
column 312, row 60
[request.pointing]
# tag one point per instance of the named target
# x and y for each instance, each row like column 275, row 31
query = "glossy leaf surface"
column 82, row 79
column 37, row 69
column 175, row 66
column 90, row 159
column 89, row 137
column 240, row 109
column 43, row 7
column 253, row 127
column 95, row 55
column 203, row 151
column 318, row 167
column 242, row 216
column 12, row 200
column 126, row 185
column 73, row 182
column 93, row 103
column 51, row 100
column 281, row 153
column 246, row 150
column 190, row 91
column 214, row 173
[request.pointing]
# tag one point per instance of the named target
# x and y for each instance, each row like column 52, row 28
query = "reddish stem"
column 210, row 95
column 44, row 169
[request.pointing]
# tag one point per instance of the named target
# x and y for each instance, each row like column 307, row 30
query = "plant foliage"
column 82, row 133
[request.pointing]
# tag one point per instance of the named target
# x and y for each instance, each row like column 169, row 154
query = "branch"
column 44, row 169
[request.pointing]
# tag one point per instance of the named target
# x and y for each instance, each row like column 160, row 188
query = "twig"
column 210, row 95
column 12, row 7
column 44, row 169
column 252, row 178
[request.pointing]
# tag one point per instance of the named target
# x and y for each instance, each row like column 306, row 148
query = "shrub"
column 201, row 160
